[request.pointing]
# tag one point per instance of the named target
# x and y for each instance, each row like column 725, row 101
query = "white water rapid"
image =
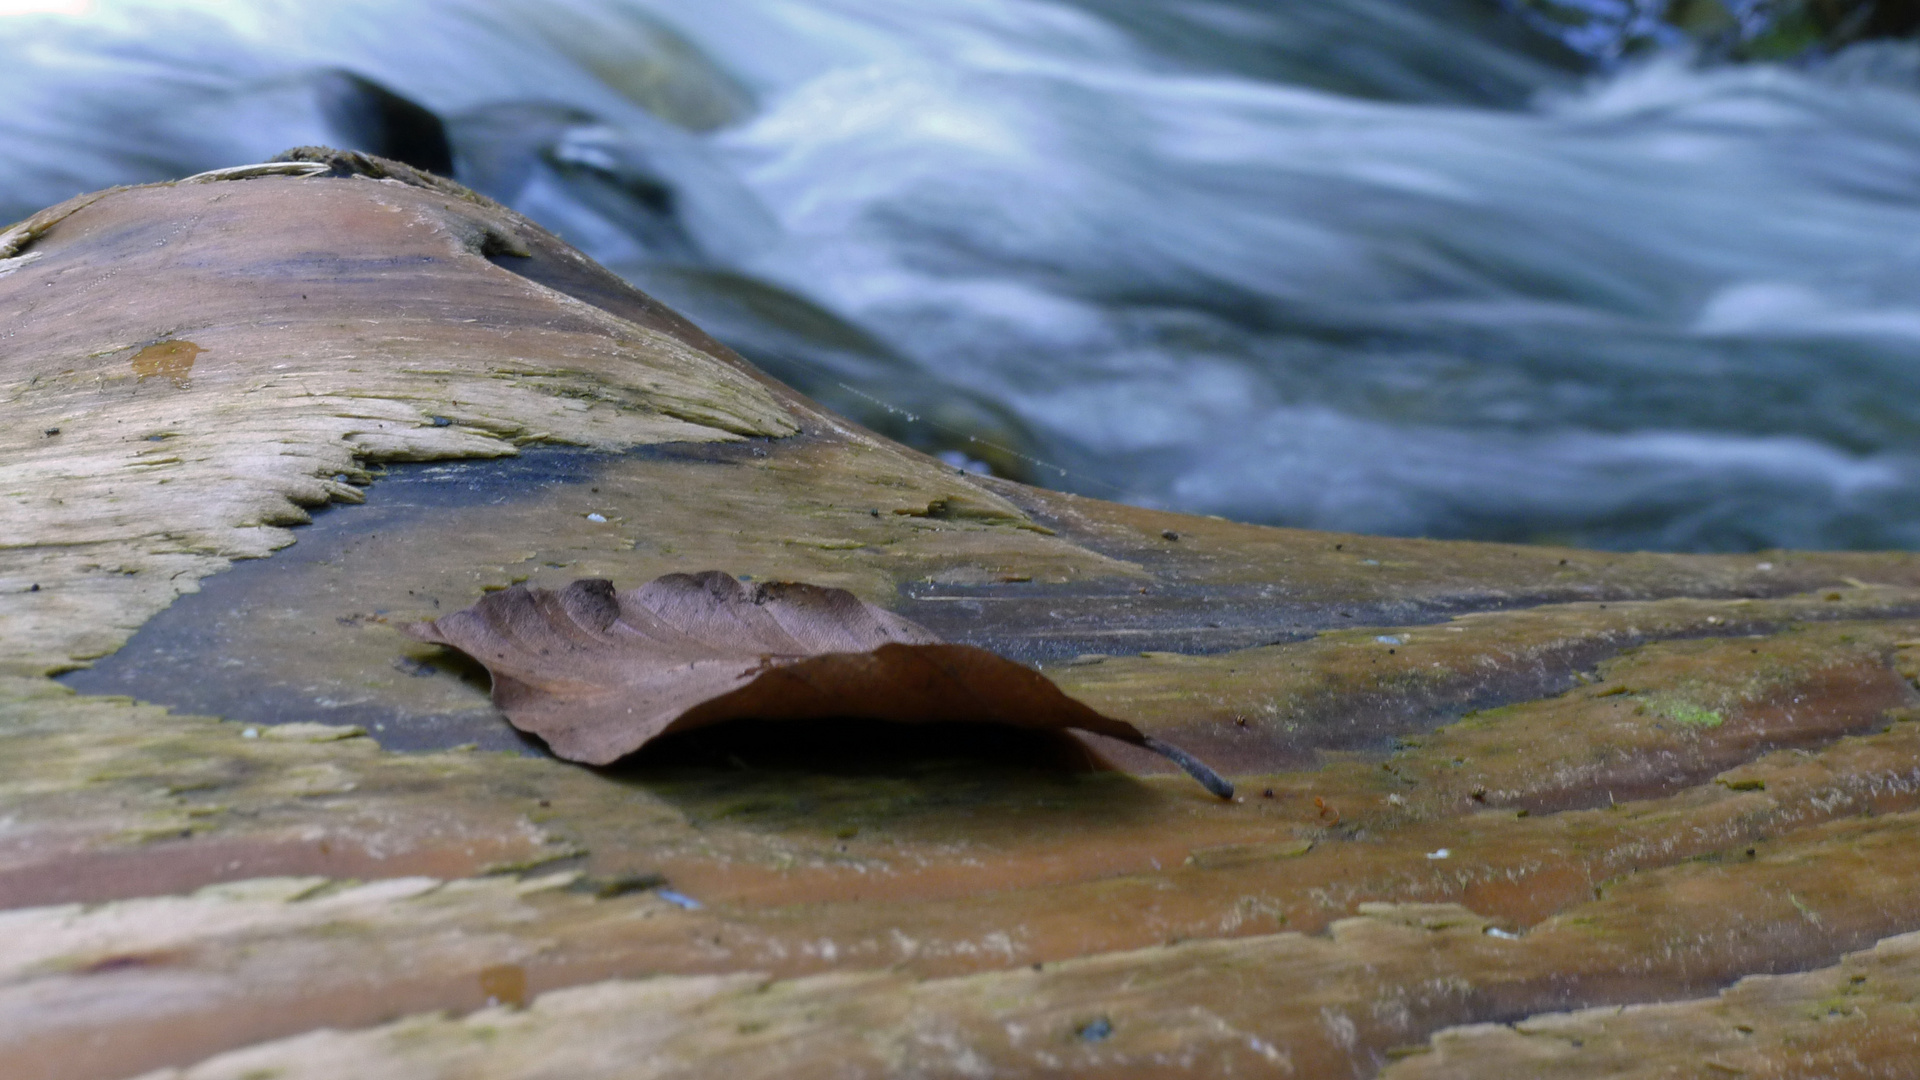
column 1377, row 265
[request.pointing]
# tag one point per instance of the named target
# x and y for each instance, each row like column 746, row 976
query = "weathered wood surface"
column 1482, row 784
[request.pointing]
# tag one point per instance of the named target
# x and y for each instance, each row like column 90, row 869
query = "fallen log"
column 262, row 419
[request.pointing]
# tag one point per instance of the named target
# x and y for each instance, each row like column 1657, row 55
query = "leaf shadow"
column 850, row 747
column 427, row 660
column 783, row 776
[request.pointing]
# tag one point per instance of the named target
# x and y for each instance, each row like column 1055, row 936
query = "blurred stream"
column 1400, row 266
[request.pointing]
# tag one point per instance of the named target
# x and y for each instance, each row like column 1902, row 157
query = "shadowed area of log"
column 598, row 674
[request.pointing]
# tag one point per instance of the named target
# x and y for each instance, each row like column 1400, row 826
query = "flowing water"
column 1399, row 266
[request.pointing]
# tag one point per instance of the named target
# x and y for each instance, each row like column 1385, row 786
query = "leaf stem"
column 1196, row 768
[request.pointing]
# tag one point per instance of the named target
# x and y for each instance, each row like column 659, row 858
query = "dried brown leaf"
column 599, row 674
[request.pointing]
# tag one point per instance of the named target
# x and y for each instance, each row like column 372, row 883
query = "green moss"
column 522, row 866
column 1683, row 712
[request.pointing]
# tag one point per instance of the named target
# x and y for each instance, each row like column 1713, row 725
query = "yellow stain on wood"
column 504, row 984
column 171, row 359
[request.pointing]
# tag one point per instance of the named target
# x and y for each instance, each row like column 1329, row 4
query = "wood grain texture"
column 188, row 368
column 1486, row 790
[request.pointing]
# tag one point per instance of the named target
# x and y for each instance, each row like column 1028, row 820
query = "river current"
column 1395, row 266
